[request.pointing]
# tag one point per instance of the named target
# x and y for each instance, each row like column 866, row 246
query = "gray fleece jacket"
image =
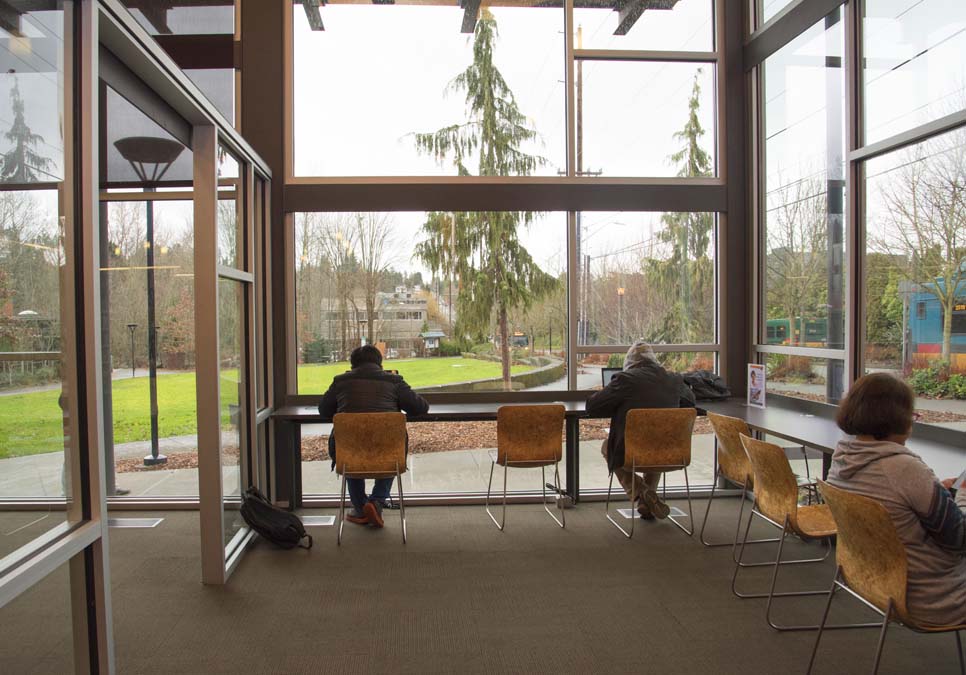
column 929, row 522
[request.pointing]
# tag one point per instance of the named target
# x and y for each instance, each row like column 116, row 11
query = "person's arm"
column 409, row 401
column 606, row 401
column 685, row 395
column 939, row 513
column 330, row 403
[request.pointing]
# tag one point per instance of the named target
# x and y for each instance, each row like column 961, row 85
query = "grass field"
column 32, row 423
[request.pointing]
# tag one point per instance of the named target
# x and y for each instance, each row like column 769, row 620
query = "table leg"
column 572, row 427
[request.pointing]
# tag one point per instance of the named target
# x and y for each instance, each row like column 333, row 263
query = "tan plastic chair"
column 370, row 445
column 733, row 465
column 656, row 439
column 871, row 565
column 776, row 502
column 528, row 436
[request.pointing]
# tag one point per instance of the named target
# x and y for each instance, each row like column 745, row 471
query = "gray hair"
column 639, row 352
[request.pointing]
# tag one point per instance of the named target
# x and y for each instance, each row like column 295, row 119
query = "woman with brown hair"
column 878, row 411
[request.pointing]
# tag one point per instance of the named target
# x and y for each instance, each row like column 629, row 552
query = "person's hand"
column 948, row 483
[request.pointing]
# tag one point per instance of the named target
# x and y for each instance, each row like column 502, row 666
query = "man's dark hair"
column 877, row 405
column 365, row 354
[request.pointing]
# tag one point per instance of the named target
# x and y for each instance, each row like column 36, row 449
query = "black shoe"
column 645, row 513
column 654, row 505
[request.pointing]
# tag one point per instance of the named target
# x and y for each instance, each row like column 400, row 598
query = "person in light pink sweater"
column 931, row 523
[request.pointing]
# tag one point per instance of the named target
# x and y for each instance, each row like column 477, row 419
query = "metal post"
column 132, row 327
column 155, row 457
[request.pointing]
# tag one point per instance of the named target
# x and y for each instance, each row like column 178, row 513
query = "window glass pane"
column 685, row 25
column 426, row 289
column 36, row 290
column 769, row 8
column 232, row 388
column 914, row 63
column 804, row 377
column 37, row 635
column 675, row 104
column 593, row 433
column 915, row 281
column 184, row 17
column 804, row 218
column 231, row 218
column 646, row 275
column 401, row 74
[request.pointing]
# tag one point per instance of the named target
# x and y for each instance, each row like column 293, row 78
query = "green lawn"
column 315, row 378
column 32, row 423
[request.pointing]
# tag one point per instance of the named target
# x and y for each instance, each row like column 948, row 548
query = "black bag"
column 706, row 385
column 278, row 526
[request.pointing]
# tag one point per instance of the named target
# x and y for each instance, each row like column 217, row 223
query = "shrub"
column 956, row 386
column 449, row 348
column 615, row 361
column 784, row 368
column 934, row 381
column 315, row 351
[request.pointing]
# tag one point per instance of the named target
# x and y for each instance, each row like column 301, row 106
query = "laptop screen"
column 607, row 373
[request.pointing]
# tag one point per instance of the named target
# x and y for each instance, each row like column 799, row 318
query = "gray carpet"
column 461, row 596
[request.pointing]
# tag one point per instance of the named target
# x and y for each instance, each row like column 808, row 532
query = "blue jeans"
column 357, row 491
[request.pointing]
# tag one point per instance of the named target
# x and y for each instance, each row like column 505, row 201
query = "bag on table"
column 706, row 385
column 282, row 528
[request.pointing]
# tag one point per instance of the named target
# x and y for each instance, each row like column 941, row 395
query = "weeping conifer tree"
column 22, row 163
column 495, row 273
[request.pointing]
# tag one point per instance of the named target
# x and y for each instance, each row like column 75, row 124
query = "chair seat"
column 371, row 474
column 525, row 464
column 815, row 521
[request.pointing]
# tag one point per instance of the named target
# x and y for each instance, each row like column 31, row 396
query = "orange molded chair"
column 871, row 565
column 370, row 445
column 528, row 436
column 656, row 439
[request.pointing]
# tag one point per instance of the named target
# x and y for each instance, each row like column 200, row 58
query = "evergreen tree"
column 496, row 274
column 689, row 272
column 22, row 164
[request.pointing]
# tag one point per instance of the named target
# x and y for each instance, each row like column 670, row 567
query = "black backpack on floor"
column 278, row 526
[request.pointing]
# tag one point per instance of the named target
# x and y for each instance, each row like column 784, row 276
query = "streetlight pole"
column 132, row 327
column 620, row 315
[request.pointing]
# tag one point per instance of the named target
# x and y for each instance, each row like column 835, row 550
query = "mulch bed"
column 424, row 437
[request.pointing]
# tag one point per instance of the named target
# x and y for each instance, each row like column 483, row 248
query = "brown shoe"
column 372, row 512
column 658, row 509
column 353, row 517
column 644, row 511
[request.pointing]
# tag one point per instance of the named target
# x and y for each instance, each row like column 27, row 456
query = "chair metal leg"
column 690, row 516
column 821, row 625
column 402, row 504
column 543, row 483
column 959, row 653
column 607, row 510
column 882, row 636
column 338, row 535
column 487, row 502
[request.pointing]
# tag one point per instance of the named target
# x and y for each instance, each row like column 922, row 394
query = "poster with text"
column 756, row 385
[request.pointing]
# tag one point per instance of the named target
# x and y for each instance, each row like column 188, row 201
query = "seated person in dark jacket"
column 643, row 384
column 368, row 388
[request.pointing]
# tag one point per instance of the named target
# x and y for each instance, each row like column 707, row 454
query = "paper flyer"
column 756, row 385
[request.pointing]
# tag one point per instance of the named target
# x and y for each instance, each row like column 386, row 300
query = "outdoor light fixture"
column 150, row 157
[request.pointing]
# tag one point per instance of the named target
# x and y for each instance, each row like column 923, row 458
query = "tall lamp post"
column 132, row 327
column 620, row 315
column 151, row 158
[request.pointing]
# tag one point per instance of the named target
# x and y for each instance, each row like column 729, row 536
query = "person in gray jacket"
column 368, row 388
column 879, row 411
column 643, row 383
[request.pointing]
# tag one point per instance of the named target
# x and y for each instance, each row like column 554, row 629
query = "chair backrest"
column 370, row 443
column 776, row 490
column 732, row 459
column 869, row 551
column 658, row 437
column 529, row 433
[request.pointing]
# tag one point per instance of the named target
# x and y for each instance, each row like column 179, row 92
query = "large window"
column 451, row 308
column 914, row 63
column 804, row 190
column 915, row 281
column 399, row 90
column 686, row 26
column 646, row 275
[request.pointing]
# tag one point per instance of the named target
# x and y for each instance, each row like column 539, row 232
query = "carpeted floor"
column 460, row 597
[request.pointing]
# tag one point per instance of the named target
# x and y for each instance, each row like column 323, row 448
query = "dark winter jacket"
column 369, row 388
column 646, row 386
